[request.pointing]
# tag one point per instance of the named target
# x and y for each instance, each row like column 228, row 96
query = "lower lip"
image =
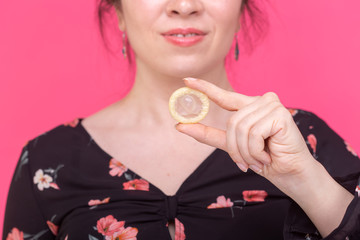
column 184, row 41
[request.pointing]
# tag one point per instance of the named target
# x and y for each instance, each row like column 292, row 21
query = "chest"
column 92, row 195
column 159, row 154
column 166, row 164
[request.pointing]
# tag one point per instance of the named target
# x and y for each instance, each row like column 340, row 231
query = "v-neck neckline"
column 202, row 165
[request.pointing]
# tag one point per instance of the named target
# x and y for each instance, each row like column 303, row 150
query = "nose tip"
column 184, row 7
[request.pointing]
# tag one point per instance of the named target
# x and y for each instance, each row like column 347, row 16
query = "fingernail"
column 242, row 167
column 190, row 79
column 255, row 168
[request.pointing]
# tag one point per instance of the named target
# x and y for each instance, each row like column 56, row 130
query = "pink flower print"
column 54, row 229
column 128, row 233
column 350, row 149
column 42, row 180
column 15, row 234
column 137, row 184
column 221, row 202
column 255, row 195
column 117, row 168
column 54, row 185
column 179, row 230
column 311, row 139
column 357, row 189
column 72, row 123
column 108, row 225
column 98, row 202
column 293, row 112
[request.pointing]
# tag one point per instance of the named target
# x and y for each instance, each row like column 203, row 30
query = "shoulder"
column 57, row 143
column 315, row 130
column 310, row 123
column 320, row 137
column 328, row 147
column 304, row 117
column 62, row 135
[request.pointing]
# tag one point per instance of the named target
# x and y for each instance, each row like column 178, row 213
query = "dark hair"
column 254, row 24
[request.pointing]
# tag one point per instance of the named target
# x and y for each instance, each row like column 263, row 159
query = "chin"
column 191, row 67
column 182, row 72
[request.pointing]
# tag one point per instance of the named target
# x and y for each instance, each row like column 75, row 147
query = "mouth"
column 184, row 37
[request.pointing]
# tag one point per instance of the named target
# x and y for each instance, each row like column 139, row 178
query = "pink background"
column 54, row 68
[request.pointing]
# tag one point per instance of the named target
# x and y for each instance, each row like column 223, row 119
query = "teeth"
column 182, row 35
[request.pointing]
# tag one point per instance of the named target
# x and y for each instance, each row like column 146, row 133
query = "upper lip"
column 184, row 31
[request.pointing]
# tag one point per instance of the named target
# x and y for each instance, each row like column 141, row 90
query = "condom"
column 187, row 105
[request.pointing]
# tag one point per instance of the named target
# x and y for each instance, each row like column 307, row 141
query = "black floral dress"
column 66, row 187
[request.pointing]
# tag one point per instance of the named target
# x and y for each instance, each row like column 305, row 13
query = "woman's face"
column 180, row 38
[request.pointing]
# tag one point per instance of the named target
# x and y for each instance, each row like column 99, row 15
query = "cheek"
column 141, row 13
column 140, row 17
column 226, row 12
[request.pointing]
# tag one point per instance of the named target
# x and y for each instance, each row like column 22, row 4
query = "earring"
column 124, row 50
column 237, row 51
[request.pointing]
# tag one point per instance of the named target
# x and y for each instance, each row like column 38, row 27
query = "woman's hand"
column 261, row 134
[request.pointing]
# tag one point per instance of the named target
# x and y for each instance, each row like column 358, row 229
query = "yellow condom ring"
column 185, row 91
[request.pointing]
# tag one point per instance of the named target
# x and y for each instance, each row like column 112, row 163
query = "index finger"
column 231, row 101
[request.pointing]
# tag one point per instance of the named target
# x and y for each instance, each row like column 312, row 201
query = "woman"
column 127, row 173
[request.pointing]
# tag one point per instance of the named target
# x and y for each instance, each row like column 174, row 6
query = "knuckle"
column 254, row 153
column 271, row 96
column 233, row 120
column 242, row 126
column 244, row 151
column 243, row 123
column 283, row 112
column 254, row 132
column 275, row 104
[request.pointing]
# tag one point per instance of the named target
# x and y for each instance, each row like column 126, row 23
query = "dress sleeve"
column 349, row 228
column 23, row 216
column 342, row 163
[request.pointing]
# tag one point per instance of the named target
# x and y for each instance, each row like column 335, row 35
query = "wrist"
column 299, row 180
column 309, row 180
column 320, row 196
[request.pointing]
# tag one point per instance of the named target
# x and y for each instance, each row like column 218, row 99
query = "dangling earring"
column 124, row 50
column 237, row 51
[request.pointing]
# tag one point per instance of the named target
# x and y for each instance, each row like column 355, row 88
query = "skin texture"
column 271, row 143
column 263, row 136
column 148, row 19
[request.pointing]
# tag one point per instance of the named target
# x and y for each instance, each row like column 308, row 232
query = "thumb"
column 204, row 134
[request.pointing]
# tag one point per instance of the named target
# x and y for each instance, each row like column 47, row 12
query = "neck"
column 148, row 99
